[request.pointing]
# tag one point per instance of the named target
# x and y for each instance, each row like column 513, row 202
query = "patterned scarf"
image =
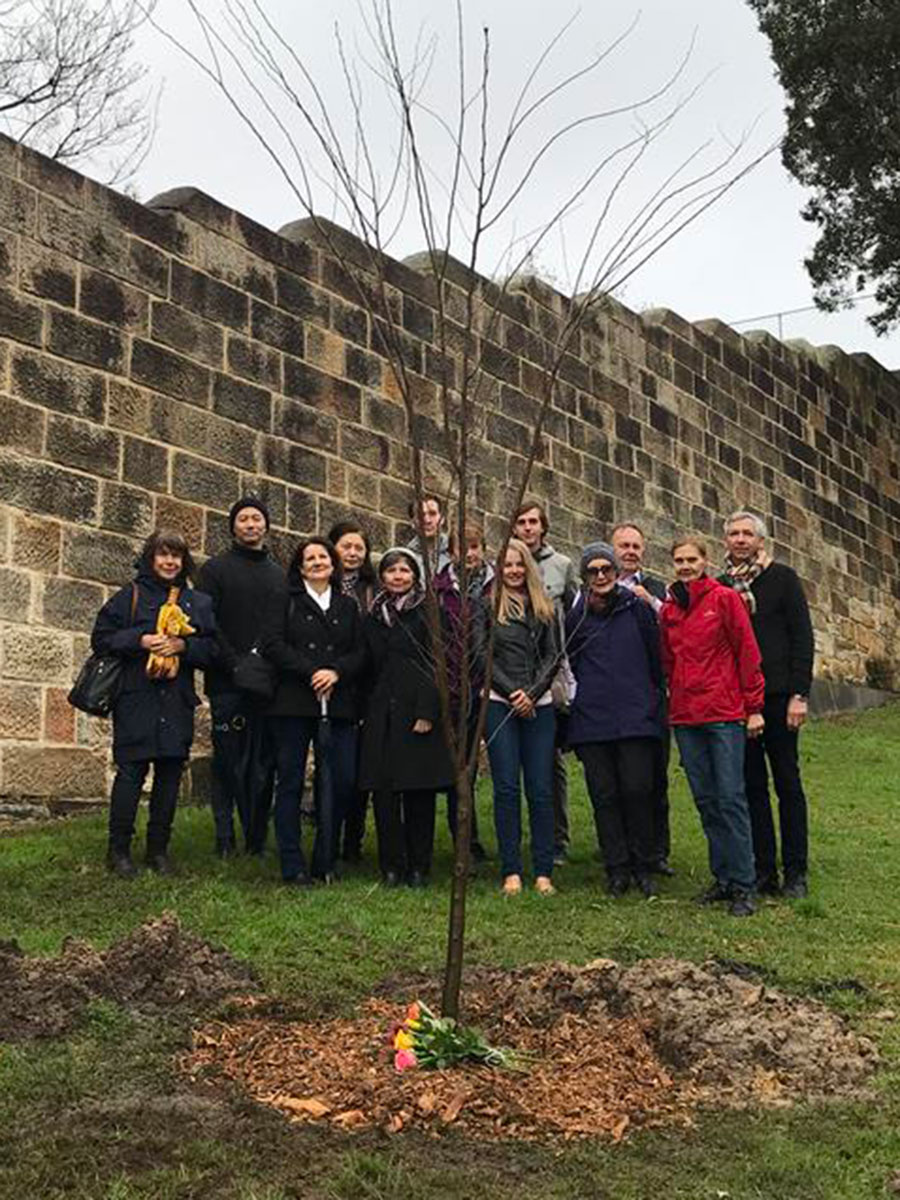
column 743, row 573
column 387, row 605
column 349, row 580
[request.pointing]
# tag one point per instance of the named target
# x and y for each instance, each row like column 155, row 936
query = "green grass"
column 325, row 949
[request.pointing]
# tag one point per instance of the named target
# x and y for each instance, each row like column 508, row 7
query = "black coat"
column 308, row 639
column 402, row 690
column 153, row 718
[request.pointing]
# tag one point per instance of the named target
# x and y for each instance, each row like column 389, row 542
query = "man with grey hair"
column 779, row 613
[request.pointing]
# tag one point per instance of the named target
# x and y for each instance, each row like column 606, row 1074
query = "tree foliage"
column 839, row 63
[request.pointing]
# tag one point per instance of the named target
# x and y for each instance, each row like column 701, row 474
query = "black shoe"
column 301, row 880
column 795, row 888
column 478, row 853
column 119, row 863
column 560, row 856
column 225, row 849
column 327, row 879
column 713, row 894
column 160, row 862
column 618, row 885
column 662, row 868
column 741, row 903
column 417, row 879
column 390, row 879
column 645, row 885
column 768, row 885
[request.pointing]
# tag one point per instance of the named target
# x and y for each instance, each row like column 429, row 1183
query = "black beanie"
column 247, row 502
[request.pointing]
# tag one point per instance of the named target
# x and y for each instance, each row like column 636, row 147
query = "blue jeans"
column 522, row 745
column 292, row 736
column 713, row 759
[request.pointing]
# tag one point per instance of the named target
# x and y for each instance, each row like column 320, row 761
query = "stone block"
column 254, row 361
column 362, row 367
column 125, row 509
column 38, row 655
column 18, row 206
column 203, row 432
column 186, row 519
column 83, row 445
column 21, row 426
column 294, row 463
column 48, row 175
column 71, row 604
column 364, row 448
column 226, row 260
column 146, row 267
column 325, row 350
column 203, row 481
column 305, row 425
column 60, row 386
column 277, row 328
column 15, row 595
column 210, row 297
column 21, row 320
column 95, row 554
column 9, row 257
column 383, row 416
column 145, row 464
column 5, row 524
column 49, row 490
column 20, row 712
column 36, row 543
column 363, row 487
column 128, row 407
column 190, row 334
column 351, row 322
column 164, row 371
column 217, row 534
column 301, row 298
column 47, row 274
column 110, row 300
column 302, row 511
column 321, row 391
column 40, row 771
column 163, row 229
column 242, row 402
column 59, row 717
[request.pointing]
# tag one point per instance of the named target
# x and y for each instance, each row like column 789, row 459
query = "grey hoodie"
column 558, row 576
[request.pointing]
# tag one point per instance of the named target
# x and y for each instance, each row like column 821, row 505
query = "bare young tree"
column 69, row 84
column 391, row 152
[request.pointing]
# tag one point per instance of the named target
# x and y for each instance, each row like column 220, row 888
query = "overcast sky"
column 741, row 259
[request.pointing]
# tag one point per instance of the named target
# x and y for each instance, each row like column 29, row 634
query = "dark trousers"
column 713, row 759
column 560, row 799
column 404, row 822
column 354, row 826
column 336, row 765
column 662, row 841
column 620, row 779
column 522, row 746
column 243, row 770
column 126, row 795
column 780, row 745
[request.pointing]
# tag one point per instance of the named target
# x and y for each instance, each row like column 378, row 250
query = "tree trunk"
column 456, row 934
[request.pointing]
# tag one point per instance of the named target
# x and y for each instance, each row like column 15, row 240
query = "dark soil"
column 158, row 969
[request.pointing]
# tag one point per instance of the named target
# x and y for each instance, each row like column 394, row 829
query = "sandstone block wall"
column 158, row 361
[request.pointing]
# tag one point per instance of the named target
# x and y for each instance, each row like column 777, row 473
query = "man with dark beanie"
column 779, row 614
column 246, row 587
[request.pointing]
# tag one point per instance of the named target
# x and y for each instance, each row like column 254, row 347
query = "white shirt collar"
column 323, row 600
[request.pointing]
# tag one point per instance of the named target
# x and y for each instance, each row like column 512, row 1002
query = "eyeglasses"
column 605, row 572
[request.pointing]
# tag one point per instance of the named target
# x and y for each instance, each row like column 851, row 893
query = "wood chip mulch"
column 584, row 1078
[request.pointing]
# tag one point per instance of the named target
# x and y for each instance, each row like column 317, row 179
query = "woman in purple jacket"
column 612, row 639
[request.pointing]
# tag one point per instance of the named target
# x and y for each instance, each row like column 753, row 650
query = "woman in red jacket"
column 716, row 694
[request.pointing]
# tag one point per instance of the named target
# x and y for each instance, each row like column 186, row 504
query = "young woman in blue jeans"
column 521, row 724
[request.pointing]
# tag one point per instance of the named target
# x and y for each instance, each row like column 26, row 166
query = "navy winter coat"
column 615, row 656
column 153, row 718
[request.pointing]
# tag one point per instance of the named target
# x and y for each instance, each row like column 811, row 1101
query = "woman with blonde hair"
column 520, row 718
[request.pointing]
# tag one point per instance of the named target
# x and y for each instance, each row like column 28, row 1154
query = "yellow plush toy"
column 171, row 622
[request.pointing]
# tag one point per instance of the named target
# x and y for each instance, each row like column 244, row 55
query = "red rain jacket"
column 710, row 656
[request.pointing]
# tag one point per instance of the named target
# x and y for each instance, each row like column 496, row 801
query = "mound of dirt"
column 158, row 968
column 609, row 1048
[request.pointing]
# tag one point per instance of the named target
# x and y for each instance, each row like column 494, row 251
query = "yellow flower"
column 403, row 1040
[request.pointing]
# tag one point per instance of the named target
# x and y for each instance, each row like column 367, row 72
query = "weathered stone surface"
column 161, row 369
column 43, row 488
column 108, row 299
column 36, row 543
column 40, row 771
column 242, row 402
column 21, row 426
column 203, row 481
column 105, row 557
column 46, row 274
column 186, row 519
column 15, row 595
column 38, row 655
column 71, row 604
column 254, row 361
column 20, row 319
column 81, row 340
column 81, row 444
column 57, row 385
column 210, row 297
column 145, row 464
column 187, row 333
column 59, row 717
column 20, row 712
column 125, row 509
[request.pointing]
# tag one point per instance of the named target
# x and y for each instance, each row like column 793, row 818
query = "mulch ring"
column 157, row 969
column 609, row 1049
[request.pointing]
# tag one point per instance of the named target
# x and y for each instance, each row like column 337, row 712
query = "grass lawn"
column 104, row 1114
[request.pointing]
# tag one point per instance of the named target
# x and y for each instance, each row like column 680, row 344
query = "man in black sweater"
column 779, row 612
column 246, row 587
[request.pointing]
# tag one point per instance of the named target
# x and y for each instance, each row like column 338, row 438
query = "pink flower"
column 404, row 1059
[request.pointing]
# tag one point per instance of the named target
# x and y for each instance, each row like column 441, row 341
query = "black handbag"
column 254, row 674
column 99, row 681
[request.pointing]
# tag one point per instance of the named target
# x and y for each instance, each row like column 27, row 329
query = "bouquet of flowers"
column 423, row 1039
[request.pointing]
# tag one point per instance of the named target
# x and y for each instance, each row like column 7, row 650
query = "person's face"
column 249, row 527
column 432, row 518
column 742, row 541
column 514, row 570
column 529, row 528
column 316, row 565
column 474, row 554
column 398, row 578
column 601, row 577
column 629, row 547
column 167, row 565
column 351, row 550
column 688, row 562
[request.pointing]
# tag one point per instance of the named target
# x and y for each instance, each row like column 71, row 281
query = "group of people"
column 365, row 665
